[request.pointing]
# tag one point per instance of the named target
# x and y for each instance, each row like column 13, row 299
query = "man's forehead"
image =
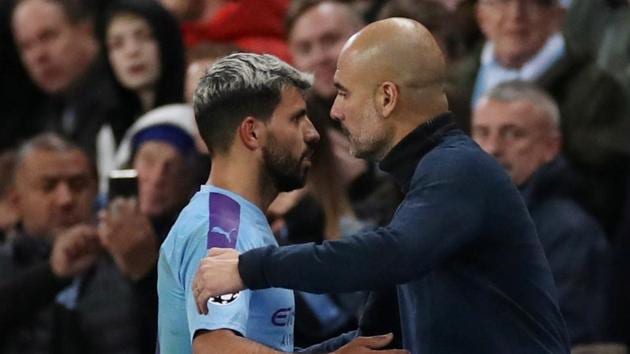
column 518, row 112
column 330, row 16
column 43, row 11
column 40, row 160
column 158, row 148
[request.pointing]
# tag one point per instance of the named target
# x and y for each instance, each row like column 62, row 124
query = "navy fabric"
column 469, row 268
column 576, row 247
column 167, row 133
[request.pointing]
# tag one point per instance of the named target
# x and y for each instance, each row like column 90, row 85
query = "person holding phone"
column 161, row 149
column 59, row 290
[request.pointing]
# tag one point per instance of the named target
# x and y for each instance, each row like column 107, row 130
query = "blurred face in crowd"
column 518, row 28
column 133, row 51
column 195, row 71
column 520, row 135
column 316, row 39
column 290, row 142
column 54, row 51
column 355, row 109
column 164, row 181
column 54, row 190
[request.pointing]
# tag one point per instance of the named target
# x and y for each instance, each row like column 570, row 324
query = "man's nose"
column 493, row 146
column 311, row 135
column 63, row 194
column 517, row 8
column 335, row 113
column 37, row 54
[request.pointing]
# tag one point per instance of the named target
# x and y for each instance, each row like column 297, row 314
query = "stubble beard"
column 282, row 171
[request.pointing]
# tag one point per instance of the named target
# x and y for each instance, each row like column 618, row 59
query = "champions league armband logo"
column 225, row 299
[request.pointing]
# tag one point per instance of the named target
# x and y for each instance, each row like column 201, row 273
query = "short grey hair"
column 49, row 142
column 237, row 86
column 519, row 90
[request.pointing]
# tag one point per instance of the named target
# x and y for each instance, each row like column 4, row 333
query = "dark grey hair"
column 50, row 142
column 238, row 86
column 519, row 90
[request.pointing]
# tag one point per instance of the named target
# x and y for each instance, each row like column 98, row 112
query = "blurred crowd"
column 92, row 86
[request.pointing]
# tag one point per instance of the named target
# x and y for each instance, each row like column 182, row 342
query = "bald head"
column 400, row 50
column 389, row 78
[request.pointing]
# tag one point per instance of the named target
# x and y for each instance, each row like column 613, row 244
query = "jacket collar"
column 403, row 158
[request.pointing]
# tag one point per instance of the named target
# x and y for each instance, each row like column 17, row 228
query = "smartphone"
column 122, row 183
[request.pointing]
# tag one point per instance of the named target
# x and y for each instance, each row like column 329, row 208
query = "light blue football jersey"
column 218, row 218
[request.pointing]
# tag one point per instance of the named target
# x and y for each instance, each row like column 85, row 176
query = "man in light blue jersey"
column 251, row 113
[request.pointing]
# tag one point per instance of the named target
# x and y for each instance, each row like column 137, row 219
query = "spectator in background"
column 162, row 146
column 8, row 216
column 519, row 125
column 61, row 55
column 145, row 55
column 594, row 105
column 73, row 300
column 19, row 97
column 316, row 32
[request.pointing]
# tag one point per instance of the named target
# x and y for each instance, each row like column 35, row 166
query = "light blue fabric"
column 68, row 297
column 218, row 218
column 491, row 73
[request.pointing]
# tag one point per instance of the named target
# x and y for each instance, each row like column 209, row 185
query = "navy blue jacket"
column 470, row 271
column 576, row 247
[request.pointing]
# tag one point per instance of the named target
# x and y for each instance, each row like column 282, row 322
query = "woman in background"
column 145, row 53
column 143, row 46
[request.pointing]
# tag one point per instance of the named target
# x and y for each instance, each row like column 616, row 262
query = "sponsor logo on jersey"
column 281, row 317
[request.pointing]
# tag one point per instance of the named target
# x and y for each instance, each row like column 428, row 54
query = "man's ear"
column 554, row 145
column 387, row 98
column 13, row 197
column 250, row 131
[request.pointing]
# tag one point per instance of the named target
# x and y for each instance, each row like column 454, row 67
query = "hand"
column 128, row 237
column 217, row 275
column 370, row 345
column 74, row 251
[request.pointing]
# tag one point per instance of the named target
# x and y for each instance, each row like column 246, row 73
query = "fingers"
column 202, row 293
column 221, row 252
column 201, row 298
column 80, row 240
column 74, row 250
column 376, row 342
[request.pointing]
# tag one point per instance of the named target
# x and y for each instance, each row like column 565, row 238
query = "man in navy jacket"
column 470, row 272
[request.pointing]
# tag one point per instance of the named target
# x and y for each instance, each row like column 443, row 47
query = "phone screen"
column 122, row 183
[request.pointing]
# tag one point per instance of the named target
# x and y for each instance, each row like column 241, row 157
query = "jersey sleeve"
column 229, row 311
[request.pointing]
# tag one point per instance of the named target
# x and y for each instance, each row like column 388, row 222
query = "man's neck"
column 243, row 180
